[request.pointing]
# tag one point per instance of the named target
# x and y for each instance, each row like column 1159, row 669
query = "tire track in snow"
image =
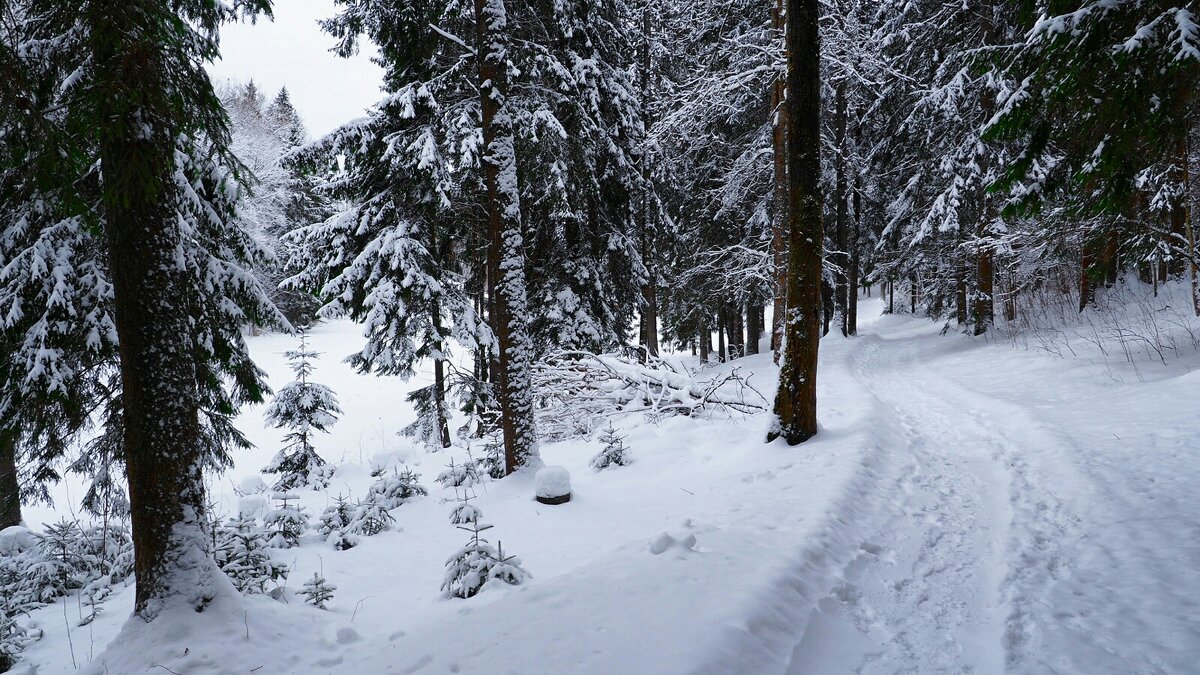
column 921, row 596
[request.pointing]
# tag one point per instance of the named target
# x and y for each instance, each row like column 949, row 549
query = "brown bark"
column 506, row 272
column 162, row 441
column 10, row 489
column 779, row 224
column 796, row 400
column 985, row 291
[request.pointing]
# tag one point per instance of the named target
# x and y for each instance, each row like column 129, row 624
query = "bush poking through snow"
column 614, row 453
column 477, row 563
column 241, row 553
column 286, row 523
column 317, row 591
column 304, row 407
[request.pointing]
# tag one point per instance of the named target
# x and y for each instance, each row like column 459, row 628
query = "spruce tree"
column 304, row 407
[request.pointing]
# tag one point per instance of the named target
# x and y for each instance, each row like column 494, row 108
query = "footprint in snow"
column 665, row 542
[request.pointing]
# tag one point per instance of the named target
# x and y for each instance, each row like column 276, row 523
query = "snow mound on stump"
column 552, row 483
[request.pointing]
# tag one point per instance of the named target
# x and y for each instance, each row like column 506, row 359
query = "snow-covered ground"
column 967, row 507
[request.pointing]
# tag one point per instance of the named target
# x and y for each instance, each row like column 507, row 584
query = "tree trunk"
column 1087, row 291
column 173, row 562
column 796, row 400
column 649, row 336
column 737, row 333
column 1191, row 211
column 439, row 378
column 912, row 287
column 855, row 272
column 703, row 339
column 10, row 489
column 985, row 310
column 779, row 224
column 754, row 314
column 506, row 255
column 960, row 294
column 722, row 354
column 841, row 258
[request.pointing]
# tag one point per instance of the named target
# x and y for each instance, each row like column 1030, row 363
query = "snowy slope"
column 967, row 507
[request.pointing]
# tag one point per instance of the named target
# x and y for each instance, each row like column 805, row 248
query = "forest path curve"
column 993, row 559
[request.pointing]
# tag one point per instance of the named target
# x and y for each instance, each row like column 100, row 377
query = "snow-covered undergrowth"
column 705, row 521
column 967, row 506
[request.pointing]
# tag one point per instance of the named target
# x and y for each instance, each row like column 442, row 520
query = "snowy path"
column 1010, row 544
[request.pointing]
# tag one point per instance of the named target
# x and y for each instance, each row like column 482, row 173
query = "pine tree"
column 304, row 407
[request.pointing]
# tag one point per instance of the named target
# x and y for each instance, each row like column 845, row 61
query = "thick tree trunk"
column 1087, row 291
column 985, row 305
column 754, row 314
column 649, row 323
column 506, row 256
column 796, row 400
column 703, row 339
column 841, row 258
column 162, row 444
column 1191, row 212
column 779, row 224
column 10, row 489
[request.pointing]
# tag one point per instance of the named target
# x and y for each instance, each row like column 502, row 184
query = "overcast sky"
column 293, row 51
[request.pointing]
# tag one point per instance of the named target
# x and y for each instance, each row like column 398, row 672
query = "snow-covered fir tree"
column 317, row 591
column 285, row 523
column 477, row 563
column 241, row 552
column 614, row 452
column 303, row 407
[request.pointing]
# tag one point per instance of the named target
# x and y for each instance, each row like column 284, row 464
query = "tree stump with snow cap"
column 553, row 485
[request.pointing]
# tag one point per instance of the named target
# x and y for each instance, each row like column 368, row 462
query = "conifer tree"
column 305, row 407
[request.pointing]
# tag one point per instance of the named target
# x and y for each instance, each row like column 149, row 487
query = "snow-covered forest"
column 617, row 336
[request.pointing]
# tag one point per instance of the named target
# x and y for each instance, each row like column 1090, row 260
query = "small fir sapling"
column 477, row 563
column 305, row 408
column 492, row 461
column 462, row 474
column 615, row 453
column 335, row 523
column 241, row 553
column 317, row 591
column 396, row 489
column 370, row 517
column 286, row 523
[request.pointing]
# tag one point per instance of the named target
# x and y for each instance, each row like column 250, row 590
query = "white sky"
column 293, row 51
